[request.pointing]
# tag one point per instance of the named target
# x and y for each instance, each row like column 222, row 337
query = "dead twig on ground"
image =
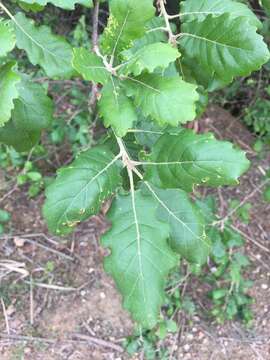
column 34, row 242
column 5, row 316
column 79, row 339
column 262, row 247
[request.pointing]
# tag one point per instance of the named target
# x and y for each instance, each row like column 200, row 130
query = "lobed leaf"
column 8, row 90
column 90, row 66
column 223, row 47
column 127, row 22
column 140, row 256
column 80, row 188
column 186, row 160
column 168, row 100
column 51, row 52
column 149, row 58
column 199, row 9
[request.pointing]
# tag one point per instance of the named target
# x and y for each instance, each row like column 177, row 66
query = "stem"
column 95, row 89
column 166, row 16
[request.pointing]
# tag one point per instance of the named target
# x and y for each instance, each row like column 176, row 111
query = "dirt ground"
column 74, row 312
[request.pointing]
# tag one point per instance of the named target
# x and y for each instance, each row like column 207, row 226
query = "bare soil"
column 74, row 312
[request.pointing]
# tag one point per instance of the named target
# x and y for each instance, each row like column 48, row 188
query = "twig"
column 248, row 197
column 31, row 301
column 5, row 316
column 9, row 193
column 34, row 242
column 262, row 247
column 14, row 266
column 100, row 342
column 52, row 287
column 83, row 339
column 95, row 24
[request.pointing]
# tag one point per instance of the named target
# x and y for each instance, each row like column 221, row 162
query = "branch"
column 95, row 24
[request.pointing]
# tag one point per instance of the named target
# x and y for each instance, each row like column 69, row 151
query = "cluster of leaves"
column 257, row 116
column 152, row 81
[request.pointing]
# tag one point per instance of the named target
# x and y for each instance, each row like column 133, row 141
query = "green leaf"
column 266, row 6
column 147, row 132
column 43, row 48
column 33, row 112
column 90, row 66
column 266, row 194
column 150, row 57
column 127, row 22
column 20, row 139
column 116, row 108
column 33, row 108
column 224, row 47
column 4, row 216
column 7, row 37
column 30, row 7
column 64, row 4
column 8, row 91
column 167, row 100
column 199, row 9
column 187, row 225
column 79, row 189
column 186, row 160
column 140, row 256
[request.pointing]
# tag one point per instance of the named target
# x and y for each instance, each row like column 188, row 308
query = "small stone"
column 186, row 347
column 19, row 242
column 102, row 295
column 264, row 286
